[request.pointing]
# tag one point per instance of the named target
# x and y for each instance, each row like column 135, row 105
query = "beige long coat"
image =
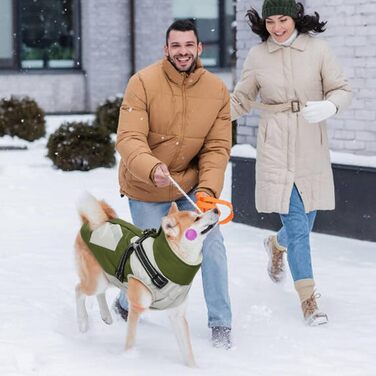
column 290, row 150
column 179, row 119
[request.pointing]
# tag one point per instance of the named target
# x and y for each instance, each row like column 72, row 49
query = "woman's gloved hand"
column 316, row 111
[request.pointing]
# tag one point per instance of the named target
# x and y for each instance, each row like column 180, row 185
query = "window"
column 6, row 33
column 214, row 21
column 46, row 34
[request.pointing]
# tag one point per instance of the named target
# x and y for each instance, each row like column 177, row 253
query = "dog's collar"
column 170, row 264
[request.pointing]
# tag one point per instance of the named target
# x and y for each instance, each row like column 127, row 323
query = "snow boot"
column 312, row 315
column 276, row 263
column 306, row 291
column 221, row 337
column 120, row 310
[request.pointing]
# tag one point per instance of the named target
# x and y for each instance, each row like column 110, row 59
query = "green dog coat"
column 108, row 244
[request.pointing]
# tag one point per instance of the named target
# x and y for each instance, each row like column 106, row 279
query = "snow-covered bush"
column 80, row 146
column 21, row 117
column 107, row 114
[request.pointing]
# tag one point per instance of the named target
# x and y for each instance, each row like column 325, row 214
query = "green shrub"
column 79, row 146
column 107, row 114
column 2, row 125
column 22, row 117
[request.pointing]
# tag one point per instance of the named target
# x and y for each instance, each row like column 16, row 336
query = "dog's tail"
column 93, row 211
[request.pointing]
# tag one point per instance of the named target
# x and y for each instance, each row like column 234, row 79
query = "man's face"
column 183, row 50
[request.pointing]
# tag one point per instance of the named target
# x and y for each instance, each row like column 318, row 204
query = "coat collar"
column 181, row 78
column 172, row 267
column 299, row 43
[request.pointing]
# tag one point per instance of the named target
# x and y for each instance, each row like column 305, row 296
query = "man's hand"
column 200, row 202
column 161, row 176
column 316, row 111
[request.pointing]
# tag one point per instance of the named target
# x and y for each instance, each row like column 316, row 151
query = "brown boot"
column 312, row 315
column 276, row 263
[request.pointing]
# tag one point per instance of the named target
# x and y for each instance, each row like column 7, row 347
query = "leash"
column 206, row 203
column 209, row 202
column 185, row 195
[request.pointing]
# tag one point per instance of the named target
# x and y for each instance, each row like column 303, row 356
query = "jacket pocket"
column 262, row 134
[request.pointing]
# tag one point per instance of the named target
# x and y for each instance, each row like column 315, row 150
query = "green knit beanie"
column 283, row 7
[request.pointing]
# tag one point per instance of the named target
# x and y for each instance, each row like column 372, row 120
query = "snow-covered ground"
column 38, row 331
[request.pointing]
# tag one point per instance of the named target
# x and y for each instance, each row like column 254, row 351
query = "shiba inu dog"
column 156, row 269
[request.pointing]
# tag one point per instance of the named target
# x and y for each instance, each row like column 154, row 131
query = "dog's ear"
column 173, row 208
column 170, row 227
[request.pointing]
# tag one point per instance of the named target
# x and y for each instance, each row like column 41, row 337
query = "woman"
column 300, row 85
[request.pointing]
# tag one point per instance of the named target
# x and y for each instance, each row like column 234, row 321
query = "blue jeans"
column 294, row 235
column 214, row 263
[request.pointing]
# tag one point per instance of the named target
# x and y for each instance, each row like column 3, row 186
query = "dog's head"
column 185, row 231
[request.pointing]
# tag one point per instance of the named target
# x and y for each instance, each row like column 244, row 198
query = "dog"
column 179, row 240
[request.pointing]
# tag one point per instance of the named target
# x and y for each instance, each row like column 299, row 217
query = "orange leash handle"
column 208, row 202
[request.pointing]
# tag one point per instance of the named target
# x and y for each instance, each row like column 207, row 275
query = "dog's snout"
column 215, row 210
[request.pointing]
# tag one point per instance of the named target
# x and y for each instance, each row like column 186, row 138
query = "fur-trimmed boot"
column 276, row 263
column 311, row 313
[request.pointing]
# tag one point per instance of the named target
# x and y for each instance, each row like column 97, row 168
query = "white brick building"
column 110, row 44
column 351, row 31
column 103, row 57
column 105, row 41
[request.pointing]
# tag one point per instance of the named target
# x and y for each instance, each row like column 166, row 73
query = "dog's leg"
column 82, row 317
column 181, row 330
column 102, row 284
column 93, row 281
column 140, row 299
column 103, row 308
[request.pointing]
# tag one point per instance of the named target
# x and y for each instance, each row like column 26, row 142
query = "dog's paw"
column 191, row 364
column 107, row 319
column 83, row 326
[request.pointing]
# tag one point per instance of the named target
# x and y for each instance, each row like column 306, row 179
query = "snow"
column 38, row 329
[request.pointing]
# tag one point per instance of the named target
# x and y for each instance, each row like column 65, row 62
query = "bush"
column 22, row 117
column 107, row 114
column 2, row 125
column 79, row 146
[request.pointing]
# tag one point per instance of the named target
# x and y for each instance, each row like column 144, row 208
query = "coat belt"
column 293, row 106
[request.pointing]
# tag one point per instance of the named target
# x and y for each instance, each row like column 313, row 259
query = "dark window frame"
column 222, row 40
column 15, row 62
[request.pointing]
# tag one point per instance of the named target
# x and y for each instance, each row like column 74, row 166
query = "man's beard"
column 189, row 70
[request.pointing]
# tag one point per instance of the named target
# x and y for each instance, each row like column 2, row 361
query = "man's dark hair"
column 303, row 23
column 182, row 25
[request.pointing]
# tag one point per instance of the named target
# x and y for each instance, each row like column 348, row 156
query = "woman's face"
column 280, row 27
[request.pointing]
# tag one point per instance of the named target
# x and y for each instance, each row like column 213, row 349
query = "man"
column 175, row 120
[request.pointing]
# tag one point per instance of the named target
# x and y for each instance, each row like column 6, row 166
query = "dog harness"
column 124, row 251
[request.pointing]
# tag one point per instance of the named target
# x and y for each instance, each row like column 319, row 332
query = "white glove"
column 316, row 111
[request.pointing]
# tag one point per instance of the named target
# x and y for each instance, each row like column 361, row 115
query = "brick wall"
column 105, row 48
column 153, row 17
column 106, row 43
column 351, row 31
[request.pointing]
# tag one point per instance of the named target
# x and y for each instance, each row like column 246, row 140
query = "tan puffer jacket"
column 178, row 119
column 290, row 150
